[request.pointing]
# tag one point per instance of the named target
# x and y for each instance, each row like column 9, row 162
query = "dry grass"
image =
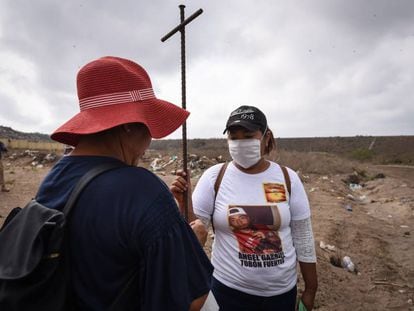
column 314, row 162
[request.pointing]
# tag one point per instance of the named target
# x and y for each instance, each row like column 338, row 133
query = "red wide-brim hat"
column 114, row 91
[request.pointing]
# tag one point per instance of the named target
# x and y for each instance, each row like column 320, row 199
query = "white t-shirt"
column 253, row 250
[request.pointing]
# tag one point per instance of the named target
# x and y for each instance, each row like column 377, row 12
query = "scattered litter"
column 350, row 196
column 364, row 199
column 326, row 246
column 403, row 226
column 325, row 177
column 347, row 264
column 348, row 207
column 389, row 216
column 354, row 187
column 30, row 153
column 50, row 157
column 154, row 164
column 220, row 159
column 401, row 291
column 36, row 157
column 313, row 189
column 158, row 163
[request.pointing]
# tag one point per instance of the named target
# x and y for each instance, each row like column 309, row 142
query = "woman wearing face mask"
column 248, row 279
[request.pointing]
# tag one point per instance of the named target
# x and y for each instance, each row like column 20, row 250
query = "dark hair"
column 271, row 144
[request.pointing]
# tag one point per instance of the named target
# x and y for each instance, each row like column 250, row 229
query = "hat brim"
column 237, row 213
column 241, row 123
column 161, row 117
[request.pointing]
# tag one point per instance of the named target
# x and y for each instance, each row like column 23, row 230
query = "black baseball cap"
column 248, row 117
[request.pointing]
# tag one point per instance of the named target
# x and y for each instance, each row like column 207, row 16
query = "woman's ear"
column 269, row 142
column 268, row 137
column 126, row 128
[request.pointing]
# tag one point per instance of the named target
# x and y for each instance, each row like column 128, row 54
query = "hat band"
column 115, row 98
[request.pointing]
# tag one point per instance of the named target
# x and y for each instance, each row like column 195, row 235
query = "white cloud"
column 316, row 68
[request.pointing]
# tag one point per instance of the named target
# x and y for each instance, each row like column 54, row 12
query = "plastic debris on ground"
column 326, row 246
column 348, row 207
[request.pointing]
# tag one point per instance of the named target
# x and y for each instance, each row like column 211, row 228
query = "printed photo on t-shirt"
column 256, row 231
column 274, row 192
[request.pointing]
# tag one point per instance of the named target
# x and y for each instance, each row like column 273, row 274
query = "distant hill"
column 380, row 149
column 9, row 133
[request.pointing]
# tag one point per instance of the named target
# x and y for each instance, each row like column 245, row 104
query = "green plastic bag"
column 302, row 306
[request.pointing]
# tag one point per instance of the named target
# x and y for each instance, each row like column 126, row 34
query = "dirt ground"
column 377, row 234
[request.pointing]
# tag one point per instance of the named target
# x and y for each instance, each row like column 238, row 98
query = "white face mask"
column 245, row 152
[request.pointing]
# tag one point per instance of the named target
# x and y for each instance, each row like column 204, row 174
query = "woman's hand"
column 310, row 278
column 199, row 230
column 308, row 299
column 179, row 186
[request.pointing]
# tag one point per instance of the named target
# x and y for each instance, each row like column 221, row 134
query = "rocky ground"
column 372, row 223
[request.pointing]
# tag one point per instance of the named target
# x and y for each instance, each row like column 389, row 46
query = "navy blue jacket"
column 127, row 219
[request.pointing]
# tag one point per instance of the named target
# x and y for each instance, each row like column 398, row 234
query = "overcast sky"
column 315, row 68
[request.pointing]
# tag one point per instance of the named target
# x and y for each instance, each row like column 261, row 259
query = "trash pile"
column 164, row 165
column 355, row 183
column 37, row 158
column 157, row 163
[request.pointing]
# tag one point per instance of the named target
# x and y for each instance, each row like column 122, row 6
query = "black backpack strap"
column 85, row 180
column 216, row 189
column 287, row 178
column 77, row 190
column 219, row 179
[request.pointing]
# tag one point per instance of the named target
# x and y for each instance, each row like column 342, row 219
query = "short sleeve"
column 203, row 194
column 299, row 203
column 176, row 269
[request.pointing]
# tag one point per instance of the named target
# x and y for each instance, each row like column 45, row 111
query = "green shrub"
column 362, row 154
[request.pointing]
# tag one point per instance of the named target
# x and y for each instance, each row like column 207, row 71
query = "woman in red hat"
column 255, row 269
column 126, row 221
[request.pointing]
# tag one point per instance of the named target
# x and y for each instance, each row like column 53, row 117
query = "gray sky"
column 315, row 68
